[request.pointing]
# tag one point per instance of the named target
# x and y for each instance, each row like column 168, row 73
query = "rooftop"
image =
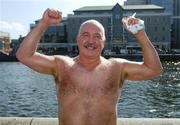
column 146, row 6
column 94, row 8
column 125, row 7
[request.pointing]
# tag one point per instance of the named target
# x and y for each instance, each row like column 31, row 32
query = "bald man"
column 88, row 85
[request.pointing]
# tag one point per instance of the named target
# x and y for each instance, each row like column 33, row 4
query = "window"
column 117, row 16
column 163, row 28
column 155, row 39
column 109, row 29
column 164, row 38
column 155, row 28
column 109, row 21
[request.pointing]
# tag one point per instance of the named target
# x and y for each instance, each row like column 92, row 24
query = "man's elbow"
column 158, row 71
column 20, row 56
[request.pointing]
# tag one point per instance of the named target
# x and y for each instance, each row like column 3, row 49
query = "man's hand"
column 132, row 24
column 51, row 16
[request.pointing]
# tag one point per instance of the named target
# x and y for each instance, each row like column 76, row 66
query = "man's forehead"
column 95, row 33
column 92, row 28
column 95, row 22
column 93, row 25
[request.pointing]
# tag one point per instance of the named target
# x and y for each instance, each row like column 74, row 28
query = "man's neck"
column 89, row 63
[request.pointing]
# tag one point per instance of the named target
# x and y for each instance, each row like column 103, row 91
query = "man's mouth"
column 90, row 46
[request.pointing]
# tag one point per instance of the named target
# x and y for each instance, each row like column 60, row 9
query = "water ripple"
column 26, row 93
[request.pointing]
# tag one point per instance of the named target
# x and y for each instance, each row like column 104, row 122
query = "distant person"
column 88, row 85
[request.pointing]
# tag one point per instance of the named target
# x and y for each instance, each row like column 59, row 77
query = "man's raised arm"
column 27, row 51
column 151, row 65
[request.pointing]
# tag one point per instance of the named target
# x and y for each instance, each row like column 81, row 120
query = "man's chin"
column 91, row 55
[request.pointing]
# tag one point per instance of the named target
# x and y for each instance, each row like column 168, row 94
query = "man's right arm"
column 27, row 51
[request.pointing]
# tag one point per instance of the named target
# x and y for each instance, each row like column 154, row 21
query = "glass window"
column 117, row 16
column 155, row 28
column 164, row 38
column 163, row 28
column 109, row 20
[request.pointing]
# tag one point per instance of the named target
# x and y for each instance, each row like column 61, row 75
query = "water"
column 26, row 93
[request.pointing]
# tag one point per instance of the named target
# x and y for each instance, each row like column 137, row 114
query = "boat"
column 6, row 57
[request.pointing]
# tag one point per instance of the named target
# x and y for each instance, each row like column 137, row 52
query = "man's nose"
column 91, row 39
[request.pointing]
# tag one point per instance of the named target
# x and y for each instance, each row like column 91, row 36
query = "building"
column 172, row 7
column 167, row 4
column 157, row 23
column 176, row 25
column 135, row 2
column 5, row 42
column 54, row 38
column 54, row 33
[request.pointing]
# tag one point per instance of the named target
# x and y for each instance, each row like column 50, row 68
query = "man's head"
column 91, row 38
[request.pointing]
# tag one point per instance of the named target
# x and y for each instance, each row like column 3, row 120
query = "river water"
column 26, row 93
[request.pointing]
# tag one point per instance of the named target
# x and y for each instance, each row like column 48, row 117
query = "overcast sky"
column 17, row 15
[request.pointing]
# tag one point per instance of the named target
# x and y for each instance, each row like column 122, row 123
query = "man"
column 88, row 85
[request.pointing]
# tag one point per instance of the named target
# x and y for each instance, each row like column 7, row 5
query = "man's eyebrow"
column 96, row 33
column 99, row 34
column 82, row 33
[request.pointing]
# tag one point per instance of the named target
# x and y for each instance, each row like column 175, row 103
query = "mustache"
column 93, row 45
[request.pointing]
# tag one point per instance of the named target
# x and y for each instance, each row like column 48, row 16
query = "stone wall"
column 121, row 121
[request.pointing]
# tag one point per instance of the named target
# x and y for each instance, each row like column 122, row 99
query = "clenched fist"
column 51, row 16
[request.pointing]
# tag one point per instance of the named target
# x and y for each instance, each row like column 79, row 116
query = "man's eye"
column 97, row 36
column 85, row 34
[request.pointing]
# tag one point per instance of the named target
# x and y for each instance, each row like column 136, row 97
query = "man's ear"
column 103, row 45
column 77, row 40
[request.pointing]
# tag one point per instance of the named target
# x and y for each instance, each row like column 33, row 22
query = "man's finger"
column 53, row 13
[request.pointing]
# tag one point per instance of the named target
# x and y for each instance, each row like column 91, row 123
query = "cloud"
column 14, row 28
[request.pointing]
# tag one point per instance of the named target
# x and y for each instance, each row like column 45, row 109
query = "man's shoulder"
column 117, row 60
column 60, row 59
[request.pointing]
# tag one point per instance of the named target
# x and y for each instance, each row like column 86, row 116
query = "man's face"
column 91, row 40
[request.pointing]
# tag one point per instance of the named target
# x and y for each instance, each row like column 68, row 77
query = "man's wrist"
column 140, row 34
column 42, row 25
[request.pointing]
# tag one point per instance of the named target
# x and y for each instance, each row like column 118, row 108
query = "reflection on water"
column 24, row 92
column 159, row 97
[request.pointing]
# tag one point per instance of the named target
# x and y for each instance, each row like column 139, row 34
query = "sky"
column 17, row 15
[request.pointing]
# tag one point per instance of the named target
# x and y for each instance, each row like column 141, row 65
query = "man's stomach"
column 87, row 112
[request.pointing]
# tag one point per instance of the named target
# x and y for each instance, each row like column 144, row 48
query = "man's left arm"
column 151, row 65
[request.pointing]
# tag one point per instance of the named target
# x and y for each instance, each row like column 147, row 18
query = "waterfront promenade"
column 120, row 121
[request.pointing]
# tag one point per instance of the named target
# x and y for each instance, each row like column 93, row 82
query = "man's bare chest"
column 80, row 81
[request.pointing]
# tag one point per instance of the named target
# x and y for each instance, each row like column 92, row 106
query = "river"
column 26, row 93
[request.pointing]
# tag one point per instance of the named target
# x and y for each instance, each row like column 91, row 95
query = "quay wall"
column 163, row 57
column 120, row 121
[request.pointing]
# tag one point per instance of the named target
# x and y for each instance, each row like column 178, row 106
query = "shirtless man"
column 88, row 85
